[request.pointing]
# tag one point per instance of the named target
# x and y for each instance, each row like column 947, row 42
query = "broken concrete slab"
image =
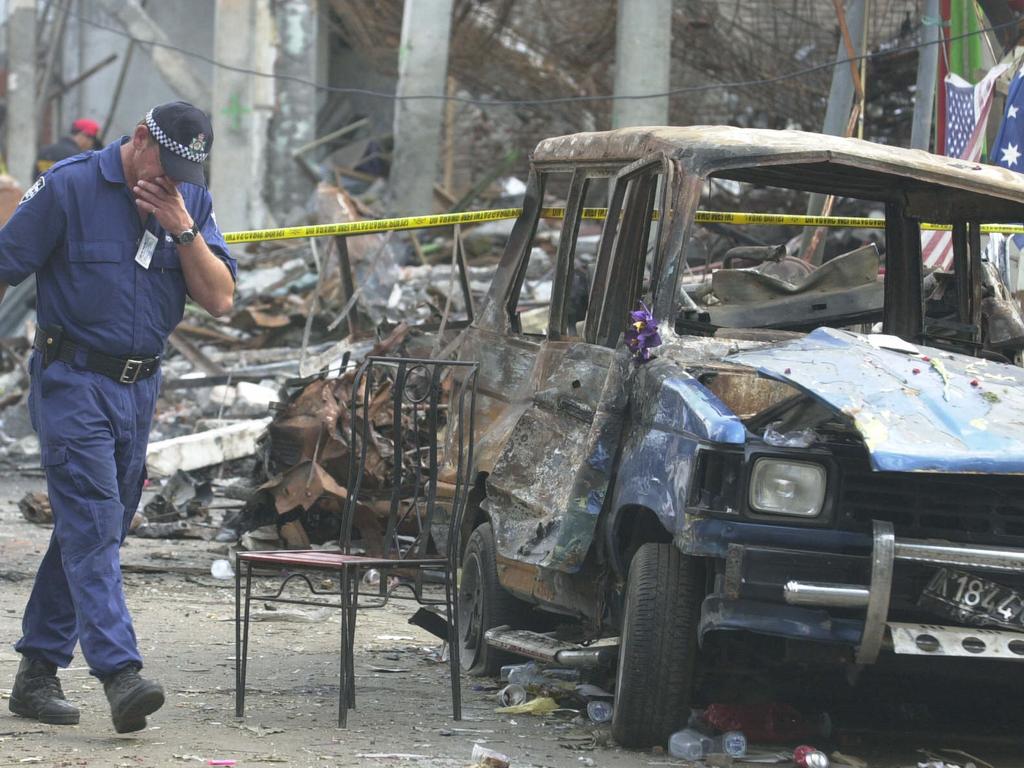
column 204, row 449
column 244, row 398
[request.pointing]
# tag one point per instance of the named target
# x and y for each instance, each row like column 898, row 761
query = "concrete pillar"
column 643, row 58
column 289, row 185
column 927, row 68
column 422, row 71
column 21, row 90
column 840, row 96
column 240, row 114
column 837, row 113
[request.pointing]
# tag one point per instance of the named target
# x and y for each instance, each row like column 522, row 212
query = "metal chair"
column 419, row 408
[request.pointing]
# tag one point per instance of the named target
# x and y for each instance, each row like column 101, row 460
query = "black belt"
column 126, row 370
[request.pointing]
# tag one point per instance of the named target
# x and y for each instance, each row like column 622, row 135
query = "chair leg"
column 242, row 643
column 344, row 652
column 239, row 695
column 353, row 608
column 454, row 648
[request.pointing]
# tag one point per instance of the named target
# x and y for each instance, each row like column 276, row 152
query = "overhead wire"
column 542, row 101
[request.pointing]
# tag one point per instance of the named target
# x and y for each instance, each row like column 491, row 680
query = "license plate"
column 973, row 600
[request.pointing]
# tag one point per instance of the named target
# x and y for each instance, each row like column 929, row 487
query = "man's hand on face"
column 162, row 198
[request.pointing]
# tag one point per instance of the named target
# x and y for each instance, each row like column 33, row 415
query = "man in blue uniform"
column 116, row 239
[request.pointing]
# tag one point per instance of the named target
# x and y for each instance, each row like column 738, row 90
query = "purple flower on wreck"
column 642, row 334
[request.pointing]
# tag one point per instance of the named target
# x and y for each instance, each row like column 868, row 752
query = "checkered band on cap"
column 166, row 141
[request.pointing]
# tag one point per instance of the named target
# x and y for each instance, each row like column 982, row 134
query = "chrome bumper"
column 875, row 597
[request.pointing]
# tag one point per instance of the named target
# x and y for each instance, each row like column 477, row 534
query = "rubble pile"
column 305, row 459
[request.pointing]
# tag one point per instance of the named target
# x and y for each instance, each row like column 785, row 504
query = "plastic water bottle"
column 732, row 743
column 599, row 711
column 691, row 744
column 524, row 674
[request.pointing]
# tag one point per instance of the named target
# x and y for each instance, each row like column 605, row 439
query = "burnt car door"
column 548, row 485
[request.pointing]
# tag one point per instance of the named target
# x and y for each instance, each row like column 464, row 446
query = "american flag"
column 1009, row 144
column 967, row 108
column 1008, row 149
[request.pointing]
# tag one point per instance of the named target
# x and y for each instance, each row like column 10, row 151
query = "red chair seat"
column 332, row 560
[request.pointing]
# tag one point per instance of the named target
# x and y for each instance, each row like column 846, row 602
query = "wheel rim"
column 471, row 611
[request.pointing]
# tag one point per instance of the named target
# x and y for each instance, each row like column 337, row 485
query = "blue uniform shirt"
column 78, row 230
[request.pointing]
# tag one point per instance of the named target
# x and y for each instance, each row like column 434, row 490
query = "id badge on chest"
column 144, row 255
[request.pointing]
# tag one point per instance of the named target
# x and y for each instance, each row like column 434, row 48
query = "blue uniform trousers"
column 93, row 433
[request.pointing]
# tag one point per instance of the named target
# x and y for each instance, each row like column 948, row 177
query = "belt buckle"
column 130, row 372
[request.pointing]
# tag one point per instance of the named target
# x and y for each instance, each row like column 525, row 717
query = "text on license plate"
column 974, row 600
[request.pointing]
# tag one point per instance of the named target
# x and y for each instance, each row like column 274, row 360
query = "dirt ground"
column 184, row 620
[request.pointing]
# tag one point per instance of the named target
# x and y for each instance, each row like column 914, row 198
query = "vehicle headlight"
column 782, row 487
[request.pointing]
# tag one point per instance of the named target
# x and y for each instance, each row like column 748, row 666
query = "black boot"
column 131, row 698
column 37, row 694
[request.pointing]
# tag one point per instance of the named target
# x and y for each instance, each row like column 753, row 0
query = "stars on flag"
column 1006, row 149
column 1011, row 154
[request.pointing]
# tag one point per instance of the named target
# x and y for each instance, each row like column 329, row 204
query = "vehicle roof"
column 812, row 162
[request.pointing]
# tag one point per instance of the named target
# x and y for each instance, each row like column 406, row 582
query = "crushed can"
column 511, row 695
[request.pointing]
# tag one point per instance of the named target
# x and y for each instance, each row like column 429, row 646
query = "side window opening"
column 628, row 254
column 578, row 242
column 951, row 308
column 530, row 307
column 755, row 276
column 969, row 305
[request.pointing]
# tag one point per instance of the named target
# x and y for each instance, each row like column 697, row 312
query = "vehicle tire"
column 483, row 604
column 658, row 646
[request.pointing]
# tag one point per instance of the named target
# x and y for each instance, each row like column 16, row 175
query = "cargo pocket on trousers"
column 83, row 522
column 53, row 455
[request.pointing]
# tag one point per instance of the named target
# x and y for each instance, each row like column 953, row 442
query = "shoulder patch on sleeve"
column 34, row 190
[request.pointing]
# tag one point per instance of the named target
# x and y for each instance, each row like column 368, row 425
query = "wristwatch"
column 186, row 237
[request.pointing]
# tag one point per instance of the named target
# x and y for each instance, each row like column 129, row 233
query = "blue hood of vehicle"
column 918, row 409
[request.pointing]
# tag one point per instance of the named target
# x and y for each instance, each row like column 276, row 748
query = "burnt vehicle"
column 830, row 456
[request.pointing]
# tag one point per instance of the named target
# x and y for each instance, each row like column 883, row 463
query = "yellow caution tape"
column 374, row 226
column 371, row 226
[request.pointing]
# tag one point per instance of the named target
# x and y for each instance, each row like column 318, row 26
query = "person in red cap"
column 84, row 136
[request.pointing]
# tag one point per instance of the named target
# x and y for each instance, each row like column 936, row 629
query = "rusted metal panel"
column 813, row 162
column 548, row 486
column 744, row 392
column 504, row 389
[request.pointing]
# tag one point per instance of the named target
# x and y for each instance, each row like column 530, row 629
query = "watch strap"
column 194, row 230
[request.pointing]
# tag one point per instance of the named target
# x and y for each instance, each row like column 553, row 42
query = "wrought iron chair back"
column 418, row 408
column 424, row 397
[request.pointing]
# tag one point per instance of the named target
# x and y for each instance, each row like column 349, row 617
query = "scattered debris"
column 35, row 507
column 182, row 496
column 808, row 757
column 695, row 744
column 203, row 449
column 483, row 757
column 221, row 569
column 542, row 705
column 512, row 695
